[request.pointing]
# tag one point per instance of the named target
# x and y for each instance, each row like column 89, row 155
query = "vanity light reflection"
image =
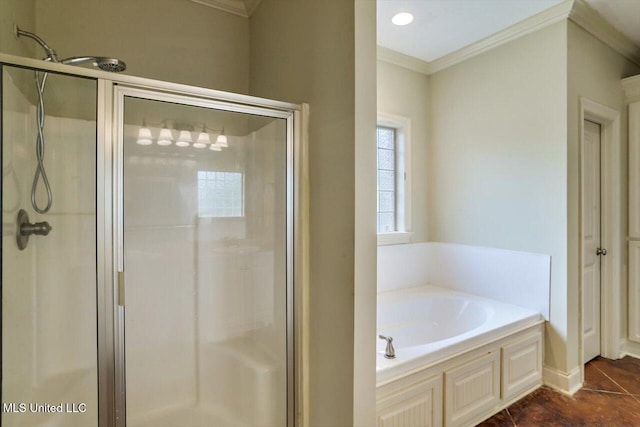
column 185, row 138
column 166, row 137
column 144, row 136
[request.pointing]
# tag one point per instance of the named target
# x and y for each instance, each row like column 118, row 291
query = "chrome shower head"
column 112, row 65
column 106, row 64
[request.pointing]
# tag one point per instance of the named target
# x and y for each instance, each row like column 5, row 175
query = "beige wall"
column 304, row 52
column 21, row 13
column 172, row 40
column 594, row 72
column 404, row 92
column 497, row 158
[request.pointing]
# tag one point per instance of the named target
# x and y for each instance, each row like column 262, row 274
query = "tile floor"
column 610, row 397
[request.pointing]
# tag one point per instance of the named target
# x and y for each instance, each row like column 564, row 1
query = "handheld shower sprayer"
column 106, row 64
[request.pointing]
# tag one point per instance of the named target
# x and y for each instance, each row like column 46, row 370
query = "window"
column 387, row 220
column 393, row 186
column 220, row 194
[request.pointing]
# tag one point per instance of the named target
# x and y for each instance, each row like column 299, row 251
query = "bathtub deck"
column 505, row 320
column 610, row 397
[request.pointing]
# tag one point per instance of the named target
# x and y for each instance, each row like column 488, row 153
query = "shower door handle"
column 121, row 288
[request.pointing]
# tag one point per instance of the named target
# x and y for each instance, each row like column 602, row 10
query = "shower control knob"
column 601, row 251
column 38, row 228
column 26, row 229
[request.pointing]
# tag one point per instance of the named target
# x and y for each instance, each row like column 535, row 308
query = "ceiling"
column 441, row 27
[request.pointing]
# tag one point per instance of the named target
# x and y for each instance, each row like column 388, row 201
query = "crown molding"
column 577, row 11
column 242, row 8
column 592, row 22
column 402, row 60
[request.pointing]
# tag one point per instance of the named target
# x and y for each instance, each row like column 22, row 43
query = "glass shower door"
column 49, row 285
column 204, row 229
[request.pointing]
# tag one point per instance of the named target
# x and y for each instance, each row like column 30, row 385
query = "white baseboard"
column 563, row 382
column 631, row 348
column 622, row 348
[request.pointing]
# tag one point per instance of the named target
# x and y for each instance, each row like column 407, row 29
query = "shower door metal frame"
column 122, row 91
column 109, row 191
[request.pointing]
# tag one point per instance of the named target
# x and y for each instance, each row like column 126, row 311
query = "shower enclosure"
column 163, row 294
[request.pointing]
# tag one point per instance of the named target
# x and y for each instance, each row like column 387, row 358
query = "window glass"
column 386, row 149
column 220, row 194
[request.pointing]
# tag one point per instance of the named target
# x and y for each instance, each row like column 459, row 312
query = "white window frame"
column 402, row 125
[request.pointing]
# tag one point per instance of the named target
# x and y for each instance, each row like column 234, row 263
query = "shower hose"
column 40, row 172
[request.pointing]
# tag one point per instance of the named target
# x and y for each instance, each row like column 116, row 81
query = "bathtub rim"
column 413, row 365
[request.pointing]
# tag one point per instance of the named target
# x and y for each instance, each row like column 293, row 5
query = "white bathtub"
column 429, row 324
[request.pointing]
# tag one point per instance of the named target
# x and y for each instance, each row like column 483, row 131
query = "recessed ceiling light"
column 402, row 18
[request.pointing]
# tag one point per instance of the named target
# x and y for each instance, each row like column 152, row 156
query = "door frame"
column 611, row 216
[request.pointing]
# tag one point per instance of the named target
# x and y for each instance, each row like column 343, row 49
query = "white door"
column 591, row 241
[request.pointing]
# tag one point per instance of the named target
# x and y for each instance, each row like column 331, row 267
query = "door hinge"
column 121, row 288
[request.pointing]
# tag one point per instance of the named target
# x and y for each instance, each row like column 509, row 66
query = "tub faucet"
column 389, row 352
